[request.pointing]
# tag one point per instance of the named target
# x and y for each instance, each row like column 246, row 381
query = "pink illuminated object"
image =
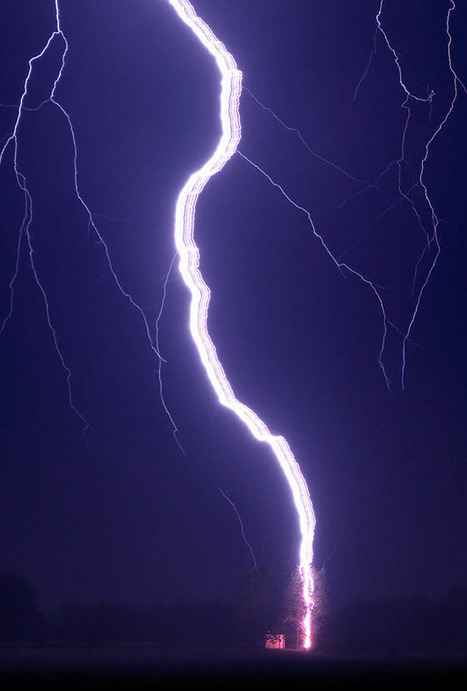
column 231, row 80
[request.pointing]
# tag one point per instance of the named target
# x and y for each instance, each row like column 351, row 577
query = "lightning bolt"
column 161, row 359
column 242, row 528
column 429, row 227
column 231, row 85
column 188, row 253
column 13, row 142
column 432, row 236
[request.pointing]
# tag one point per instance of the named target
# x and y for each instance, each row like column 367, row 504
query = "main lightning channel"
column 231, row 86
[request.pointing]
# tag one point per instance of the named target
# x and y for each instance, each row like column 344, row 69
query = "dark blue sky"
column 120, row 513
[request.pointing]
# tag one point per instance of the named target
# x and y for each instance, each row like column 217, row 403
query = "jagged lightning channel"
column 242, row 527
column 13, row 142
column 231, row 80
column 429, row 229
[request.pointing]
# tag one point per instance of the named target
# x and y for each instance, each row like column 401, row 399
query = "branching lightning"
column 24, row 233
column 405, row 193
column 242, row 527
column 13, row 142
column 161, row 359
column 200, row 293
column 340, row 265
column 403, row 196
column 432, row 238
column 189, row 256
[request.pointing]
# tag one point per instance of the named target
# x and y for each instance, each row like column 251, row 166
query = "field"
column 139, row 665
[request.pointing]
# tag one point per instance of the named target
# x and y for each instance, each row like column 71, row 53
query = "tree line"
column 264, row 601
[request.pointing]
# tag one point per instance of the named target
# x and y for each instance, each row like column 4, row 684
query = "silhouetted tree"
column 176, row 622
column 99, row 623
column 19, row 612
column 399, row 624
column 294, row 608
column 294, row 605
column 259, row 602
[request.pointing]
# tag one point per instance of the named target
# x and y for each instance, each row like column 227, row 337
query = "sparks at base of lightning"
column 231, row 80
column 242, row 527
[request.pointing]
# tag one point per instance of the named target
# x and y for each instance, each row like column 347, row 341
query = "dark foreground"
column 137, row 666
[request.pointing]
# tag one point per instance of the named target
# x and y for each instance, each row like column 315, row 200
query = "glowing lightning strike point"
column 200, row 293
column 24, row 232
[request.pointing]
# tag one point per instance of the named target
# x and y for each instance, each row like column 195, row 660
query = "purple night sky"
column 117, row 512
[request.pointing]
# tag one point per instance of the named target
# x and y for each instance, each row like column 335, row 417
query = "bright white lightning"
column 231, row 80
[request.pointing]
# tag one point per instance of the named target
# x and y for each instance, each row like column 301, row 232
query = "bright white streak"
column 231, row 85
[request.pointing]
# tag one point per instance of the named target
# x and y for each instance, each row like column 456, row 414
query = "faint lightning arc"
column 231, row 80
column 232, row 504
column 430, row 230
column 13, row 142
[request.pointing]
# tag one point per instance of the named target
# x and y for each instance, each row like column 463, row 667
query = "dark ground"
column 130, row 666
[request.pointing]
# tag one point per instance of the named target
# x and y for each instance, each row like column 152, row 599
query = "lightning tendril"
column 231, row 85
